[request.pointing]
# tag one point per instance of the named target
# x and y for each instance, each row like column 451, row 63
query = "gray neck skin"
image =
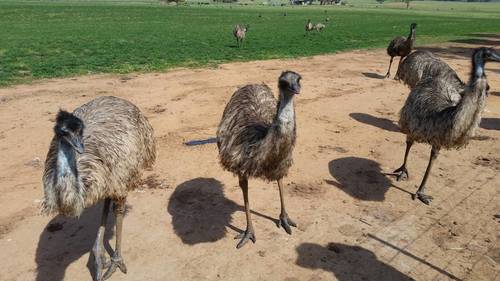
column 66, row 160
column 478, row 68
column 286, row 112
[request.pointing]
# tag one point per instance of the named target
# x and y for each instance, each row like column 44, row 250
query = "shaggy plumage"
column 420, row 65
column 97, row 153
column 443, row 116
column 401, row 46
column 319, row 26
column 309, row 26
column 256, row 137
column 239, row 32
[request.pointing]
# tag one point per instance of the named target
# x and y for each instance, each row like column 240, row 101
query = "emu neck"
column 411, row 37
column 66, row 161
column 285, row 118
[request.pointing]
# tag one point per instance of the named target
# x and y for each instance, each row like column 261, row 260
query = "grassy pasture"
column 58, row 39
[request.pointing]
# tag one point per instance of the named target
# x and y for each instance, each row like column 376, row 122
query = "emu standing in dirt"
column 441, row 116
column 256, row 137
column 420, row 65
column 97, row 153
column 401, row 46
column 239, row 33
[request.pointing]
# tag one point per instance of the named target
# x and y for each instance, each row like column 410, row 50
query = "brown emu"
column 319, row 26
column 444, row 117
column 401, row 46
column 420, row 65
column 97, row 153
column 239, row 33
column 256, row 137
column 309, row 26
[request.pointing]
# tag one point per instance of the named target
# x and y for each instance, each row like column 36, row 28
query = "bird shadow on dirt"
column 200, row 211
column 490, row 123
column 373, row 75
column 64, row 240
column 382, row 123
column 360, row 178
column 346, row 262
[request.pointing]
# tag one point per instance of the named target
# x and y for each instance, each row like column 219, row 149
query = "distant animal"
column 97, row 153
column 256, row 137
column 309, row 26
column 442, row 116
column 319, row 27
column 401, row 46
column 284, row 14
column 420, row 65
column 327, row 19
column 239, row 33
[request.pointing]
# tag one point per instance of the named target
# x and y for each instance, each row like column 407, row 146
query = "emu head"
column 289, row 83
column 413, row 26
column 480, row 57
column 69, row 129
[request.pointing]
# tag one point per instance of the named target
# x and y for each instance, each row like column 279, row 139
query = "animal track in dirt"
column 156, row 109
column 153, row 181
column 328, row 148
column 9, row 223
column 306, row 190
column 490, row 162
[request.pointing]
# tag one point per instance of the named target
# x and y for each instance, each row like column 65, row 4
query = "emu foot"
column 286, row 223
column 100, row 260
column 116, row 262
column 401, row 174
column 426, row 199
column 387, row 75
column 245, row 236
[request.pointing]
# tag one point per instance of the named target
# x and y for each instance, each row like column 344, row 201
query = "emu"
column 309, row 26
column 444, row 117
column 420, row 65
column 239, row 33
column 256, row 137
column 97, row 153
column 401, row 46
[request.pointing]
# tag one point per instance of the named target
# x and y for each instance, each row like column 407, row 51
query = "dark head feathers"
column 67, row 122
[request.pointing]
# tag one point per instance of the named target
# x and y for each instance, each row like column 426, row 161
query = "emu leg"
column 98, row 248
column 389, row 70
column 284, row 221
column 117, row 260
column 402, row 173
column 426, row 199
column 396, row 77
column 249, row 233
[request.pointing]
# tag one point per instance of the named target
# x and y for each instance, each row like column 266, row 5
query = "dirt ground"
column 355, row 223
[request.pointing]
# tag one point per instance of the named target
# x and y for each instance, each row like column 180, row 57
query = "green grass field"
column 58, row 39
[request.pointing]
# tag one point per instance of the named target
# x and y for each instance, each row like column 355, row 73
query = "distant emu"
column 401, row 46
column 319, row 26
column 309, row 26
column 443, row 116
column 256, row 137
column 239, row 33
column 97, row 153
column 420, row 65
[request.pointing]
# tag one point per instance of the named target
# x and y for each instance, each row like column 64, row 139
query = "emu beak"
column 76, row 143
column 495, row 57
column 295, row 89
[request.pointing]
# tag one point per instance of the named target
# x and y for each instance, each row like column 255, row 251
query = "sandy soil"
column 355, row 223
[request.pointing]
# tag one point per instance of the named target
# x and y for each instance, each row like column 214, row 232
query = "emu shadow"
column 65, row 240
column 490, row 123
column 200, row 211
column 360, row 178
column 495, row 94
column 373, row 75
column 347, row 263
column 382, row 123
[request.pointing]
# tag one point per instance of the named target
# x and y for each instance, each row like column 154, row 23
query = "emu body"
column 256, row 137
column 444, row 115
column 97, row 153
column 239, row 32
column 401, row 47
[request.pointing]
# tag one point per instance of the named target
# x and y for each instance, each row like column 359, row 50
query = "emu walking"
column 239, row 33
column 97, row 153
column 309, row 26
column 444, row 117
column 256, row 137
column 401, row 47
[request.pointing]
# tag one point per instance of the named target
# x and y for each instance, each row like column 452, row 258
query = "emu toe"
column 245, row 236
column 426, row 199
column 401, row 174
column 286, row 223
column 116, row 262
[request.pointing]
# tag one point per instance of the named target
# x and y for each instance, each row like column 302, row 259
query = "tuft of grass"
column 59, row 39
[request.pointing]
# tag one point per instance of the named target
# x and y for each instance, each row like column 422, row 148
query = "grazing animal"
column 420, row 65
column 256, row 137
column 319, row 27
column 401, row 47
column 309, row 26
column 97, row 153
column 327, row 19
column 239, row 33
column 444, row 117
